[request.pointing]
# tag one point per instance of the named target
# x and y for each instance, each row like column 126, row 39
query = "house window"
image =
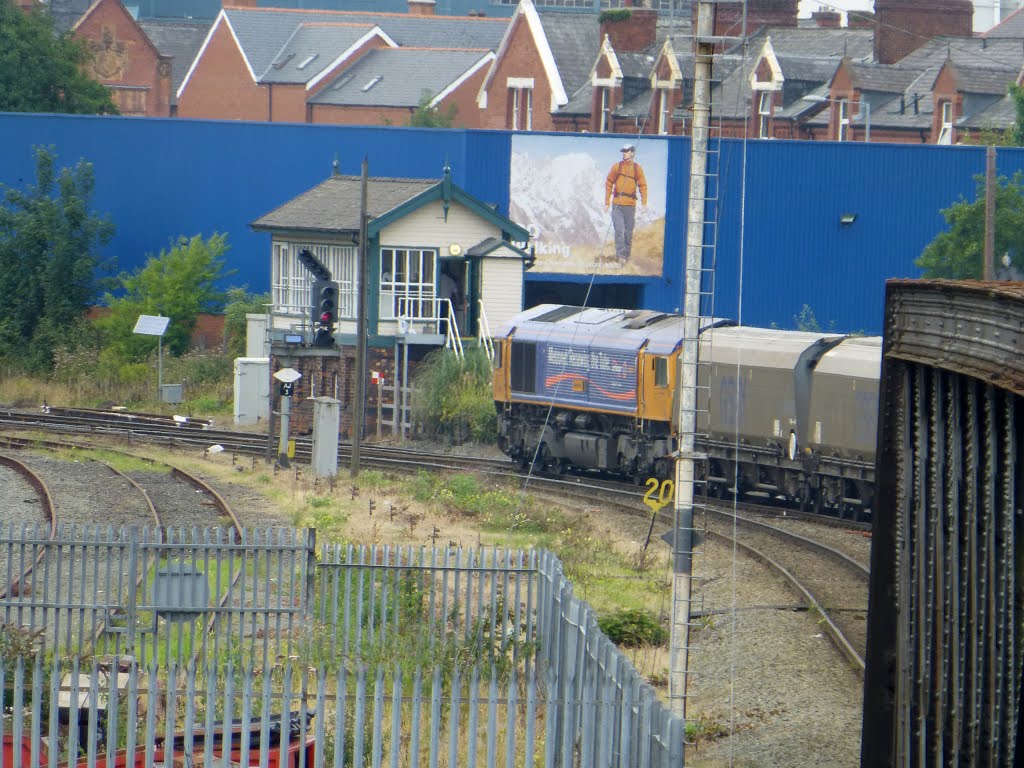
column 946, row 129
column 606, row 110
column 664, row 111
column 407, row 283
column 520, row 109
column 291, row 281
column 764, row 114
column 843, row 123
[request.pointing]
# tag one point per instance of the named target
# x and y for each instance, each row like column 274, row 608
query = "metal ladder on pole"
column 693, row 421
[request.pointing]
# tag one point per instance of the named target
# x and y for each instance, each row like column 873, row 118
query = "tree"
column 239, row 304
column 49, row 260
column 41, row 71
column 957, row 253
column 427, row 116
column 179, row 283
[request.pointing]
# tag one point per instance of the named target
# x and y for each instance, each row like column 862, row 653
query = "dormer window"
column 946, row 126
column 664, row 111
column 844, row 120
column 520, row 104
column 764, row 114
column 606, row 110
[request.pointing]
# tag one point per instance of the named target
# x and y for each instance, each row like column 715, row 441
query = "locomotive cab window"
column 524, row 367
column 660, row 371
column 498, row 353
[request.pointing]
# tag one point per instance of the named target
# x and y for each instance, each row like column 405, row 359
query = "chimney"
column 860, row 20
column 630, row 29
column 905, row 25
column 827, row 19
column 421, row 7
column 760, row 13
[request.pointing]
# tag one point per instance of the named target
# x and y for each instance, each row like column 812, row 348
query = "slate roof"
column 179, row 39
column 883, row 78
column 575, row 44
column 970, row 51
column 311, row 48
column 829, row 43
column 263, row 32
column 333, row 205
column 1012, row 26
column 984, row 79
column 1000, row 115
column 382, row 77
column 66, row 12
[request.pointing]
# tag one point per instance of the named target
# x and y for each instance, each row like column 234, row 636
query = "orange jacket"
column 625, row 183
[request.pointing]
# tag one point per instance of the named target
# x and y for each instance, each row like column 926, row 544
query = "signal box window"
column 407, row 283
column 661, row 371
column 524, row 367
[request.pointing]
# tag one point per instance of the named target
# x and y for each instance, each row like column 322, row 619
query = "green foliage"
column 49, row 257
column 239, row 304
column 180, row 284
column 614, row 14
column 1017, row 93
column 427, row 116
column 632, row 628
column 958, row 252
column 805, row 319
column 454, row 398
column 41, row 71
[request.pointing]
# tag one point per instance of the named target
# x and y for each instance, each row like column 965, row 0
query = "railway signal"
column 325, row 307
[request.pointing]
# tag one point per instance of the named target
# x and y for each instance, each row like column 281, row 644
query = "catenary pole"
column 682, row 547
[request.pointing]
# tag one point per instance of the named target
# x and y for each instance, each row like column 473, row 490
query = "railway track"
column 827, row 580
column 156, row 498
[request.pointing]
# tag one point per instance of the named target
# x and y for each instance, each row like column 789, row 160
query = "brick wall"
column 521, row 59
column 760, row 13
column 220, row 86
column 903, row 26
column 636, row 33
column 332, row 373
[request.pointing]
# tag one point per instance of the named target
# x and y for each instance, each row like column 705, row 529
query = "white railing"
column 430, row 315
column 485, row 332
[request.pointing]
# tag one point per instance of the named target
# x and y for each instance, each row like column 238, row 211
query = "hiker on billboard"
column 625, row 189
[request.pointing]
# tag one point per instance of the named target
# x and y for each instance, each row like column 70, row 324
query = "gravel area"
column 792, row 701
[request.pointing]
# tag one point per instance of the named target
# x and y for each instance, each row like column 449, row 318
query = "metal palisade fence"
column 156, row 648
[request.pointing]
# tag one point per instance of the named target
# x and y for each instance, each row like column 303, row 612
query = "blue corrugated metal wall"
column 158, row 179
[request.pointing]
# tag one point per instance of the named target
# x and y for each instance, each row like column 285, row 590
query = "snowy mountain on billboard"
column 561, row 198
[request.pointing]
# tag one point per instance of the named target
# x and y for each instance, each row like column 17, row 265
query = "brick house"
column 424, row 238
column 125, row 60
column 336, row 66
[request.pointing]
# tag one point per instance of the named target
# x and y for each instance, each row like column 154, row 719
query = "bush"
column 632, row 628
column 453, row 398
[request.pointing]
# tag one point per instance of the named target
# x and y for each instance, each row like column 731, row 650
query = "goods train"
column 787, row 414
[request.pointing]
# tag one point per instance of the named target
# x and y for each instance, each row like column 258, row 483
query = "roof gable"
column 117, row 7
column 526, row 13
column 333, row 206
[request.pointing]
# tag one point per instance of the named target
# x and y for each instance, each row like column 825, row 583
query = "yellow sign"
column 666, row 491
column 291, row 449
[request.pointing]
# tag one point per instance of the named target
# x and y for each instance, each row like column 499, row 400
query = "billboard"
column 591, row 205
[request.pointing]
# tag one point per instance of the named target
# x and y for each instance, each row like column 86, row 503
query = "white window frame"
column 844, row 120
column 409, row 286
column 664, row 111
column 291, row 282
column 606, row 99
column 946, row 126
column 522, row 105
column 764, row 114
